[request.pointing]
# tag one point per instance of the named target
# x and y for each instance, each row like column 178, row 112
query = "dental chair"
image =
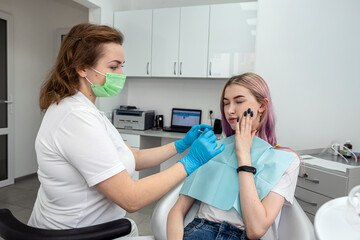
column 11, row 228
column 294, row 224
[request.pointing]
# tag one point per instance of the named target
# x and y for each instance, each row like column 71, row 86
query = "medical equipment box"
column 134, row 119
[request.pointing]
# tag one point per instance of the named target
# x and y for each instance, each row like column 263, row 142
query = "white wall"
column 162, row 94
column 308, row 51
column 35, row 24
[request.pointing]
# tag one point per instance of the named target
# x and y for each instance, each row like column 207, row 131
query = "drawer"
column 132, row 140
column 325, row 183
column 310, row 201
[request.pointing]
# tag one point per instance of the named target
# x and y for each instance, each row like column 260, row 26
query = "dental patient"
column 243, row 189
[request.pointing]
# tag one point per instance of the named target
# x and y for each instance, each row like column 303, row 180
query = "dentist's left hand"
column 203, row 149
column 183, row 144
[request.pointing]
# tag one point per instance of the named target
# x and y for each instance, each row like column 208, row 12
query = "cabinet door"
column 165, row 42
column 136, row 27
column 232, row 39
column 194, row 39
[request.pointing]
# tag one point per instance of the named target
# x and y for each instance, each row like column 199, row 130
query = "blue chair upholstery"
column 11, row 228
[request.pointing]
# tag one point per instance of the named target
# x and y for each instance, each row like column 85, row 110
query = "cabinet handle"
column 180, row 68
column 311, row 203
column 305, row 176
column 210, row 69
column 147, row 68
column 174, row 68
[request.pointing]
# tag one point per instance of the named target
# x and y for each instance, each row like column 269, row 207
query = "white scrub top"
column 77, row 147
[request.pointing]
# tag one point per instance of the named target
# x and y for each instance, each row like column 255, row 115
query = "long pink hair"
column 260, row 90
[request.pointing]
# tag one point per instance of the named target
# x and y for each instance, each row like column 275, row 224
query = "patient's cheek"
column 255, row 123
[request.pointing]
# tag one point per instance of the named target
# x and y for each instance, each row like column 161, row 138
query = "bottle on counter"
column 347, row 146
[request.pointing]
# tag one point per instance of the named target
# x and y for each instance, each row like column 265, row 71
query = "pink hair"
column 260, row 90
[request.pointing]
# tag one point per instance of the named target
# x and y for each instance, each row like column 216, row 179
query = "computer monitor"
column 181, row 117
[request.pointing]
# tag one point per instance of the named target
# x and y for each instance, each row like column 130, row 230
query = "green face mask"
column 114, row 83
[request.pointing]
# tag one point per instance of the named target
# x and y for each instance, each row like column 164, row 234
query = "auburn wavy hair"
column 82, row 47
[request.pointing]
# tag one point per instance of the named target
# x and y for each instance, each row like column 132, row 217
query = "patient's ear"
column 264, row 105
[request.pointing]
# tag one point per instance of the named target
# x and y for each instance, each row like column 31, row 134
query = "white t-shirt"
column 285, row 187
column 77, row 147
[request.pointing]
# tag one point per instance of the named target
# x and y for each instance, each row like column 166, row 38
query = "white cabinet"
column 232, row 39
column 194, row 38
column 138, row 142
column 180, row 42
column 215, row 41
column 165, row 44
column 137, row 29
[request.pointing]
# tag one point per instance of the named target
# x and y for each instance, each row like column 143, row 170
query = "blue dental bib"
column 216, row 183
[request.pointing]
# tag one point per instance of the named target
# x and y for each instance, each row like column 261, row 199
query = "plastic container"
column 346, row 148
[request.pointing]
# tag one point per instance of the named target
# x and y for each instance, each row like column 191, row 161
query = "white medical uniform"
column 285, row 187
column 77, row 147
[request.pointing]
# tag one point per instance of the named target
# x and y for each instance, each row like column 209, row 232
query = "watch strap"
column 246, row 169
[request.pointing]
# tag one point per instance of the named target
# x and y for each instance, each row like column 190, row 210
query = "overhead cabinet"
column 137, row 29
column 180, row 42
column 232, row 39
column 165, row 42
column 194, row 41
column 216, row 41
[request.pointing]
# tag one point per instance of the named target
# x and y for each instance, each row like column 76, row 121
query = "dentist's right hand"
column 202, row 150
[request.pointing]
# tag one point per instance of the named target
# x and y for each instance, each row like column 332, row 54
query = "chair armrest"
column 294, row 224
column 161, row 211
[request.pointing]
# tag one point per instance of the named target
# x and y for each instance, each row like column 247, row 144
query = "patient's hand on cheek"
column 243, row 138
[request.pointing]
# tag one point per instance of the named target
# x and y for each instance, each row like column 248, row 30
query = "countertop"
column 153, row 133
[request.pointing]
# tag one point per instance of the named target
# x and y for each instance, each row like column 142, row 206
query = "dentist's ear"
column 81, row 71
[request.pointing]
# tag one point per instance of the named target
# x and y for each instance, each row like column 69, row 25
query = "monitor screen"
column 186, row 117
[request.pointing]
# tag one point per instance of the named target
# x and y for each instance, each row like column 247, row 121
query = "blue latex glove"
column 183, row 144
column 202, row 150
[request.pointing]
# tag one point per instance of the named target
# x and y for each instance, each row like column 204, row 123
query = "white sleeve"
column 287, row 183
column 83, row 141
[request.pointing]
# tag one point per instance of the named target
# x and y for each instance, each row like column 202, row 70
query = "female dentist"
column 85, row 167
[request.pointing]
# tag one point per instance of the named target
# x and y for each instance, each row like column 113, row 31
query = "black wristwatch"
column 246, row 169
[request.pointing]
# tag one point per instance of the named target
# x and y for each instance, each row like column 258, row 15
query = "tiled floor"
column 20, row 198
